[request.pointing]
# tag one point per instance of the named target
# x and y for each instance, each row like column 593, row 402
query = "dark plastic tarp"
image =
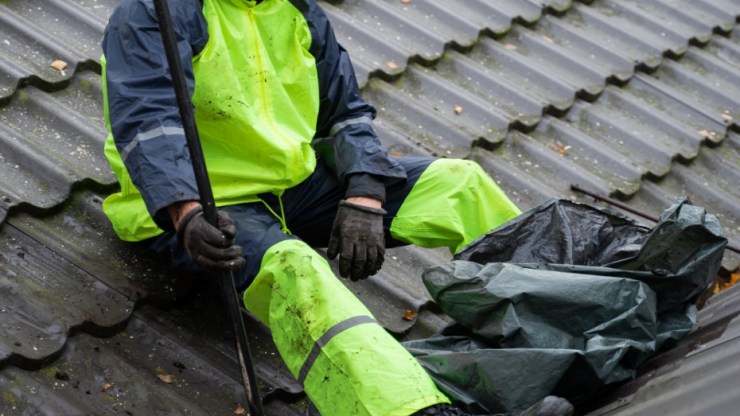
column 565, row 299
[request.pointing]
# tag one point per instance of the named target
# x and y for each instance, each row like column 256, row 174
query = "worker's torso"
column 256, row 99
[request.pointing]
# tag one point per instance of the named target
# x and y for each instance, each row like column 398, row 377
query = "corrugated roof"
column 635, row 99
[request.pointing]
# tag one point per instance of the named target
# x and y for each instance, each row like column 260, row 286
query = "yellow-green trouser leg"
column 453, row 203
column 349, row 365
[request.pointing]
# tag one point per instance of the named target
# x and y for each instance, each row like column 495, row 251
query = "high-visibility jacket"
column 271, row 87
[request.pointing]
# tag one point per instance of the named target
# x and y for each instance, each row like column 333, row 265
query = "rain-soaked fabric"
column 349, row 366
column 271, row 88
column 360, row 370
column 454, row 202
column 566, row 299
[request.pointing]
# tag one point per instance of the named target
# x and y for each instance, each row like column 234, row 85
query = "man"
column 294, row 163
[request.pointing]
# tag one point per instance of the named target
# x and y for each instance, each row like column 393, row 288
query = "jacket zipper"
column 264, row 94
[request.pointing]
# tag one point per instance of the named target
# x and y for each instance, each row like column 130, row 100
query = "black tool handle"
column 228, row 287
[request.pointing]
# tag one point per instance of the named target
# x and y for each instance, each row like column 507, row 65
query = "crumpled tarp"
column 565, row 299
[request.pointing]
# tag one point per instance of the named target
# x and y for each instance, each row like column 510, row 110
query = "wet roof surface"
column 633, row 99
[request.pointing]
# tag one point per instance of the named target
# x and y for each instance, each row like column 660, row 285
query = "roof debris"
column 733, row 280
column 107, row 386
column 458, row 109
column 391, row 65
column 561, row 149
column 409, row 315
column 59, row 65
column 239, row 411
column 726, row 117
column 165, row 378
column 707, row 134
column 510, row 47
column 548, row 39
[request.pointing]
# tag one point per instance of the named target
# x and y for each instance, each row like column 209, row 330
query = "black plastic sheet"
column 566, row 299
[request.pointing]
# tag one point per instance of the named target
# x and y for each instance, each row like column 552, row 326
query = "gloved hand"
column 357, row 236
column 209, row 247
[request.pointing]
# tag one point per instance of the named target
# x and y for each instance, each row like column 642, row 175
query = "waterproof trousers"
column 348, row 364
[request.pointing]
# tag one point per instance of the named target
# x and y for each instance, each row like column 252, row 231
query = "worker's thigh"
column 257, row 229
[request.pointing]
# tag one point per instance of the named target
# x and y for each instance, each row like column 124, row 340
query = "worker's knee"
column 454, row 167
column 282, row 263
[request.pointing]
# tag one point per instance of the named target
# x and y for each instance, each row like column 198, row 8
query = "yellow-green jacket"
column 271, row 87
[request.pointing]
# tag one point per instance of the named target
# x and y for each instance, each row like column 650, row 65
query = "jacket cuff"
column 365, row 184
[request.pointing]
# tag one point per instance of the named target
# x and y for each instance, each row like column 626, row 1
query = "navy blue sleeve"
column 142, row 107
column 345, row 137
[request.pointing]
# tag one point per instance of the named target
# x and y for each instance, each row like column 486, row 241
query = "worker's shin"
column 347, row 363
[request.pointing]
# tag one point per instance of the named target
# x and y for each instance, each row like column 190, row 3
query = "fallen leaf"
column 405, row 1
column 59, row 65
column 107, row 386
column 733, row 280
column 561, row 149
column 397, row 154
column 706, row 134
column 409, row 315
column 239, row 411
column 727, row 117
column 165, row 378
column 391, row 65
column 509, row 46
column 458, row 109
column 548, row 39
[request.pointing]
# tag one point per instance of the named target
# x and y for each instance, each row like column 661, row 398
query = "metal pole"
column 228, row 287
column 630, row 209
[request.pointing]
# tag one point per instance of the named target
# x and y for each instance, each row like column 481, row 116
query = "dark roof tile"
column 51, row 143
column 546, row 82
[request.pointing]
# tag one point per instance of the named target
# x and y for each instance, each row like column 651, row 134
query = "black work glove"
column 357, row 236
column 209, row 247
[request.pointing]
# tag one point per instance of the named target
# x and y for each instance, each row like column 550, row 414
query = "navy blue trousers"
column 310, row 209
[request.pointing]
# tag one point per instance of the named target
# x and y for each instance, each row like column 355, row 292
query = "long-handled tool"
column 630, row 209
column 228, row 287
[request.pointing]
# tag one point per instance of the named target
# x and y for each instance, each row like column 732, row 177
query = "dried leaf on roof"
column 733, row 280
column 107, row 386
column 391, row 65
column 239, row 411
column 706, row 133
column 561, row 149
column 458, row 109
column 59, row 65
column 165, row 378
column 409, row 315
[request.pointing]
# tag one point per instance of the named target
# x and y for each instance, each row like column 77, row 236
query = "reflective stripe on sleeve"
column 328, row 335
column 345, row 123
column 151, row 134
